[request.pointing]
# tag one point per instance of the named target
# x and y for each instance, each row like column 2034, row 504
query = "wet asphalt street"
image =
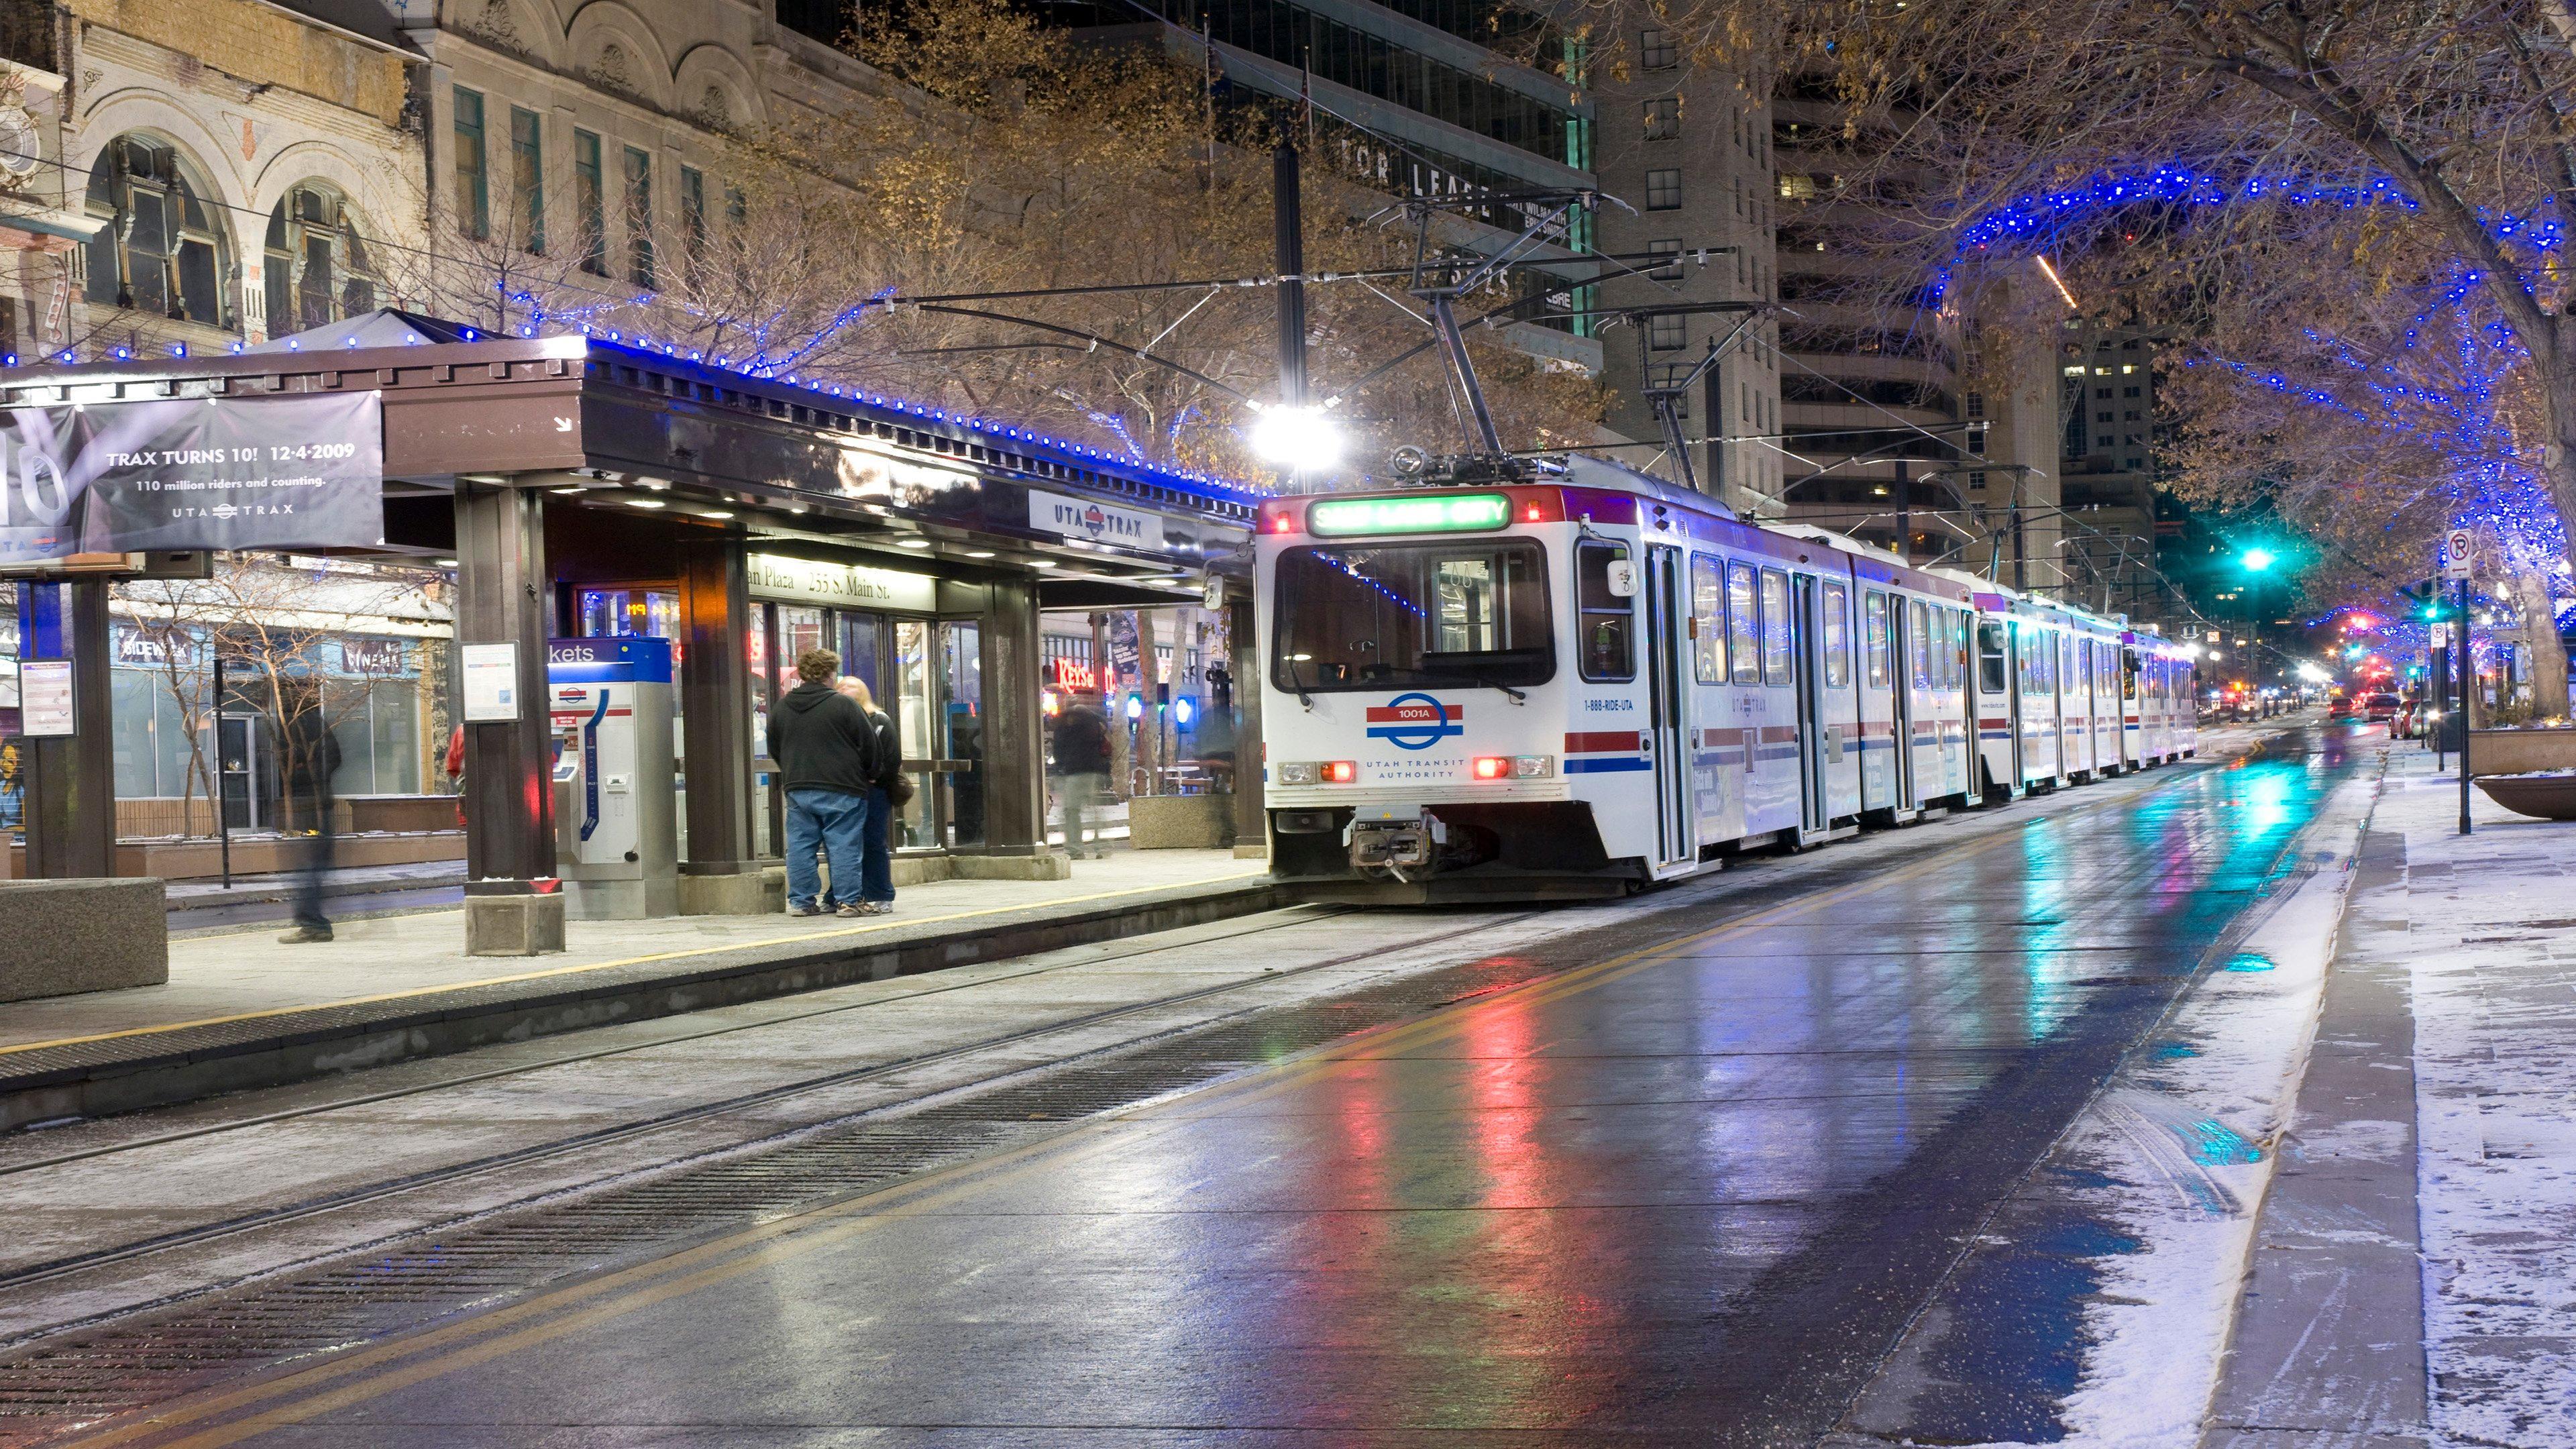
column 1687, row 1194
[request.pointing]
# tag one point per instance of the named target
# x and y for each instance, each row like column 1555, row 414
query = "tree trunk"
column 2540, row 634
column 2531, row 589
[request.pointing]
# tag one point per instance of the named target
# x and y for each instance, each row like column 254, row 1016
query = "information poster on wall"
column 45, row 698
column 301, row 471
column 489, row 674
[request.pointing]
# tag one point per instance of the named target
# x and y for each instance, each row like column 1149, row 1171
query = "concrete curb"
column 161, row 1068
column 2327, row 1344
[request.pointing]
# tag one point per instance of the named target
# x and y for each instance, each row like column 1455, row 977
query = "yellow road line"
column 403, row 1363
column 277, row 1011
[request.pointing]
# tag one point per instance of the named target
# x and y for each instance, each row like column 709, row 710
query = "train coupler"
column 1398, row 846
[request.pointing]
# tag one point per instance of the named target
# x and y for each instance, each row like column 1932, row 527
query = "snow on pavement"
column 2492, row 923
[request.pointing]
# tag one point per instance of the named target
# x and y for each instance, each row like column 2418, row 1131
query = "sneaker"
column 807, row 909
column 852, row 909
column 877, row 908
column 305, row 935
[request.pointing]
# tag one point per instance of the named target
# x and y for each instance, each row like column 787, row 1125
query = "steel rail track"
column 52, row 1269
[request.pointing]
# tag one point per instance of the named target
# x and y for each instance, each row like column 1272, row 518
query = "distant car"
column 2378, row 707
column 2403, row 727
column 2343, row 706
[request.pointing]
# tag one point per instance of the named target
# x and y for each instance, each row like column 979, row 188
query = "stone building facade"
column 210, row 172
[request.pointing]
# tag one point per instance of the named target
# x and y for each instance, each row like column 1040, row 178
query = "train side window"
column 1743, row 625
column 1873, row 608
column 1990, row 655
column 2128, row 673
column 1837, row 635
column 1776, row 644
column 1708, row 618
column 1957, row 650
column 1918, row 665
column 1945, row 655
column 1606, row 635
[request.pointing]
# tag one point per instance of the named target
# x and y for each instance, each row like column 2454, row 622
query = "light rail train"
column 1581, row 681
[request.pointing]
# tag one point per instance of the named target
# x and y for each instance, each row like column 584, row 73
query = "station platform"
column 241, row 1010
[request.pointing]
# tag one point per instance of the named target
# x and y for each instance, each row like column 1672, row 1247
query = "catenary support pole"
column 1904, row 511
column 1289, row 245
column 2468, row 681
column 223, row 812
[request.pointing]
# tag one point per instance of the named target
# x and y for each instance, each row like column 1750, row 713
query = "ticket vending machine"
column 616, row 796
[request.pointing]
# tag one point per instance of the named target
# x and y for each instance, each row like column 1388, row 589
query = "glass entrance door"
column 238, row 756
column 961, row 709
column 936, row 678
column 916, row 826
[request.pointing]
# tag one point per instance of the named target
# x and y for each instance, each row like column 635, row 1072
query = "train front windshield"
column 1412, row 616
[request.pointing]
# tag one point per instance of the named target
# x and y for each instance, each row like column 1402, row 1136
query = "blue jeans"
column 833, row 821
column 876, row 876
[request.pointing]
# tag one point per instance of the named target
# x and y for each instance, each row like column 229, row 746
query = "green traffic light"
column 2256, row 560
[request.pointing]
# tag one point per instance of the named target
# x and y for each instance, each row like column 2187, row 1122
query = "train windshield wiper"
column 1297, row 684
column 1516, row 697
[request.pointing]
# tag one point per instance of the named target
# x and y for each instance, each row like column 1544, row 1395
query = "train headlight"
column 1306, row 773
column 1341, row 772
column 1533, row 767
column 1493, row 767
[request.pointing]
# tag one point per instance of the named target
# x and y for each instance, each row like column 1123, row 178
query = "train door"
column 1804, row 637
column 1991, row 713
column 1667, row 640
column 1877, row 708
column 1905, row 626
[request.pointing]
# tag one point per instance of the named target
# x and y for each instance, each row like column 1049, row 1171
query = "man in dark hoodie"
column 827, row 751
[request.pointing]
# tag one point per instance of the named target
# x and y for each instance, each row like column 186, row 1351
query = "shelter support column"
column 721, row 877
column 512, row 907
column 71, row 779
column 1014, row 743
column 1251, row 770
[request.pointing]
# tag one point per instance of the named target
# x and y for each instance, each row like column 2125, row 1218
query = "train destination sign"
column 192, row 473
column 1455, row 513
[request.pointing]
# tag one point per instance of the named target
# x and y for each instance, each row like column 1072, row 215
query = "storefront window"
column 859, row 642
column 799, row 629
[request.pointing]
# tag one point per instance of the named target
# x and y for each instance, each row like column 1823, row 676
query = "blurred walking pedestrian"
column 312, row 758
column 1081, row 747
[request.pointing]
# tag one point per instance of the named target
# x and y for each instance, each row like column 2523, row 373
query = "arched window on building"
column 318, row 270
column 161, row 251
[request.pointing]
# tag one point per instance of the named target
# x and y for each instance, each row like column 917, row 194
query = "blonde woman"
column 876, row 874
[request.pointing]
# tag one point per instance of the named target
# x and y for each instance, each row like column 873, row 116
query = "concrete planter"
column 2519, row 752
column 1181, row 822
column 81, row 935
column 2548, row 797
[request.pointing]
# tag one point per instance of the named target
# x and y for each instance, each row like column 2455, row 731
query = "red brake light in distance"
column 1493, row 767
column 1341, row 772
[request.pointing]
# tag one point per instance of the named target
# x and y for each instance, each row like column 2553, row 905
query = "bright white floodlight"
column 1301, row 440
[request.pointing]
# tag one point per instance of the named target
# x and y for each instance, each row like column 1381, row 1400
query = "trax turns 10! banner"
column 133, row 477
